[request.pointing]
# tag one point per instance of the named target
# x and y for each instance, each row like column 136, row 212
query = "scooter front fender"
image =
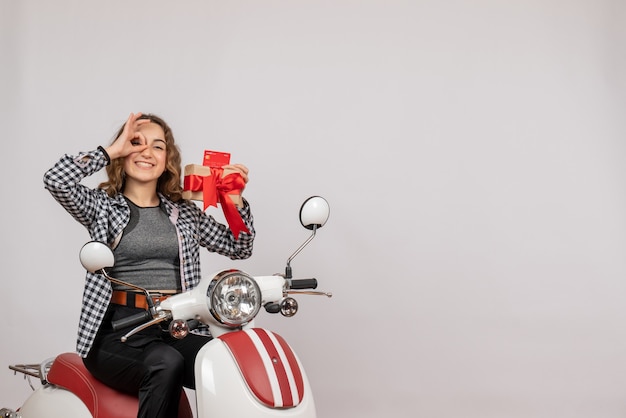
column 224, row 387
column 53, row 401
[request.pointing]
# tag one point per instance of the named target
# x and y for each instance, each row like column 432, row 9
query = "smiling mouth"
column 144, row 164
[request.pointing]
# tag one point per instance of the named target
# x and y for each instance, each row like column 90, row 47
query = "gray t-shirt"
column 147, row 255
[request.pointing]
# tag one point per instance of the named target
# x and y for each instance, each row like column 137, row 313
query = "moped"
column 244, row 371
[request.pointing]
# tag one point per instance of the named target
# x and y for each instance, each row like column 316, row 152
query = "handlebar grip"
column 129, row 321
column 299, row 284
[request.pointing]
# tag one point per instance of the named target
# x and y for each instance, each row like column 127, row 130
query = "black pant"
column 151, row 364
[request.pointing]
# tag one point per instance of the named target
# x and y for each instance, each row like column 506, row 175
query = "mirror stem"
column 288, row 268
column 132, row 286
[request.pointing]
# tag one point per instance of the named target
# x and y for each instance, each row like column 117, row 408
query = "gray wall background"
column 472, row 153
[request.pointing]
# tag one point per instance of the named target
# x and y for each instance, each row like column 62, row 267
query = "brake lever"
column 309, row 292
column 162, row 316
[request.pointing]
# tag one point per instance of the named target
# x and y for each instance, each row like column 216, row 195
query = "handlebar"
column 298, row 284
column 146, row 318
column 129, row 321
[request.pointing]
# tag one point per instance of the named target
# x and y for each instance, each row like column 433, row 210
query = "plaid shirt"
column 106, row 217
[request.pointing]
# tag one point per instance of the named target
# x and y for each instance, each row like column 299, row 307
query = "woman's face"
column 148, row 165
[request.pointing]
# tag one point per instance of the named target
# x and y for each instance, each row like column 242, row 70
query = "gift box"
column 212, row 184
column 196, row 175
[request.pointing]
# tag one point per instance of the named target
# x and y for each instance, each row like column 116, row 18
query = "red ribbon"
column 216, row 189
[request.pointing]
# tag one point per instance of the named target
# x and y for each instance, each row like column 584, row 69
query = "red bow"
column 216, row 189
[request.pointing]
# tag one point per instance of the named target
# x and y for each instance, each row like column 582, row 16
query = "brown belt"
column 134, row 299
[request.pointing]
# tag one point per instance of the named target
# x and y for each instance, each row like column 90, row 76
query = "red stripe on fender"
column 293, row 363
column 279, row 368
column 250, row 364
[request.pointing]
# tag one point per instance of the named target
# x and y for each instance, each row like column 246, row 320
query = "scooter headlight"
column 234, row 298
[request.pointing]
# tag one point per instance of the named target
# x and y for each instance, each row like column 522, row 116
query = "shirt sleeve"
column 63, row 183
column 218, row 237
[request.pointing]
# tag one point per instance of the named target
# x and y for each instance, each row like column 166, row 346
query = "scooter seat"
column 69, row 372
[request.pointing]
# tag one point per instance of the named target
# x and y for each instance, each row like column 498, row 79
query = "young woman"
column 156, row 237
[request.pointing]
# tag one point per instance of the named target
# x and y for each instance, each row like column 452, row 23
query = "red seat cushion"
column 68, row 371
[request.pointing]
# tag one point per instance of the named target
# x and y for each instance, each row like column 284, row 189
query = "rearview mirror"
column 314, row 212
column 94, row 256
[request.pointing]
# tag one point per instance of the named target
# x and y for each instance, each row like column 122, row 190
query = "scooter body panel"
column 222, row 390
column 53, row 401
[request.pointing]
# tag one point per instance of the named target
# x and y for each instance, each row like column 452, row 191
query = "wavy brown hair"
column 169, row 182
